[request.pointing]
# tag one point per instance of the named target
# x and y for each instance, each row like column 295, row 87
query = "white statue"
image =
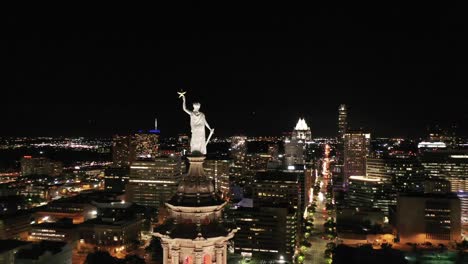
column 197, row 123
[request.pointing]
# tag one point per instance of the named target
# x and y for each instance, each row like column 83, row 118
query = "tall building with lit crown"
column 342, row 121
column 146, row 144
column 153, row 182
column 356, row 149
column 195, row 231
column 295, row 145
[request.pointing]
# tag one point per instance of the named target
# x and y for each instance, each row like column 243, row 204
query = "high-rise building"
column 278, row 187
column 265, row 231
column 218, row 171
column 367, row 193
column 428, row 217
column 195, row 231
column 238, row 149
column 153, row 182
column 405, row 172
column 257, row 162
column 356, row 149
column 449, row 165
column 40, row 166
column 302, row 131
column 146, row 144
column 295, row 145
column 122, row 150
column 342, row 121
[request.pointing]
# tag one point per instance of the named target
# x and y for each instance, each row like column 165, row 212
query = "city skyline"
column 95, row 77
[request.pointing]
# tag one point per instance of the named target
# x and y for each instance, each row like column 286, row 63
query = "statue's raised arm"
column 184, row 106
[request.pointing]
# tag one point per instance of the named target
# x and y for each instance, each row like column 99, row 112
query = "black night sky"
column 98, row 74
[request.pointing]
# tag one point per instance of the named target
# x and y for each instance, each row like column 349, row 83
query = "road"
column 315, row 254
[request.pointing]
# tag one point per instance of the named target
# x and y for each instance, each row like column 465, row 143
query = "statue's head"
column 196, row 106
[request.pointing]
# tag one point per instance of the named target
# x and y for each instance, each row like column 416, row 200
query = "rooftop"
column 365, row 178
column 39, row 249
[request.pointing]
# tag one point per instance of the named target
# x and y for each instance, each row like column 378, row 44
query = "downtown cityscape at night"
column 325, row 137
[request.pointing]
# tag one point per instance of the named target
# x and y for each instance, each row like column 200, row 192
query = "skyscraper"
column 295, row 145
column 342, row 121
column 218, row 171
column 366, row 193
column 356, row 149
column 152, row 183
column 265, row 231
column 405, row 172
column 122, row 151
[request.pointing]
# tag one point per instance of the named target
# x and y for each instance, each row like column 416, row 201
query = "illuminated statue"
column 197, row 122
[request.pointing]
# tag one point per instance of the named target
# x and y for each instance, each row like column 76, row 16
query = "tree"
column 155, row 249
column 386, row 246
column 133, row 259
column 100, row 257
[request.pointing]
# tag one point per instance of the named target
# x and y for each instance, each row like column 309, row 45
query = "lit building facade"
column 405, row 173
column 449, row 165
column 356, row 149
column 342, row 122
column 62, row 231
column 122, row 150
column 153, row 182
column 218, row 170
column 265, row 231
column 367, row 193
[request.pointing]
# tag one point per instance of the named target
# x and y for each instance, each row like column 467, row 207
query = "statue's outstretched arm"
column 184, row 106
column 206, row 124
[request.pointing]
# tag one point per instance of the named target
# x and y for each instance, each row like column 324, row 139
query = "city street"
column 316, row 253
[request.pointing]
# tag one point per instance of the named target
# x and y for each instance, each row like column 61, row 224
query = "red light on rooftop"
column 27, row 157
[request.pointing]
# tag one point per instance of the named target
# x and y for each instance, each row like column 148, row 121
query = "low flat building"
column 431, row 217
column 62, row 231
column 116, row 227
column 15, row 226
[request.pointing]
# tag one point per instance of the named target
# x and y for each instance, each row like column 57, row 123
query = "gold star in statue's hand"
column 181, row 94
